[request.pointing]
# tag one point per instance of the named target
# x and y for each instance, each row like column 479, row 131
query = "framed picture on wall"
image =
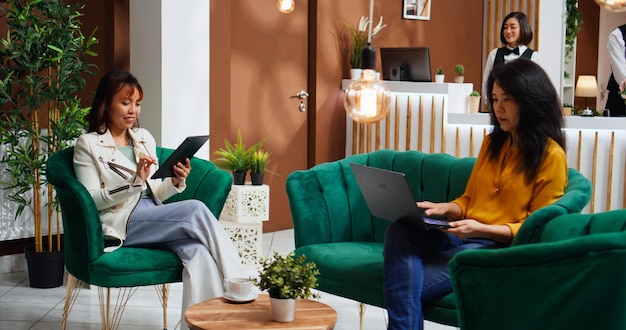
column 416, row 9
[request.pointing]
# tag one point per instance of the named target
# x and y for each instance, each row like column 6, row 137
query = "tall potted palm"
column 44, row 60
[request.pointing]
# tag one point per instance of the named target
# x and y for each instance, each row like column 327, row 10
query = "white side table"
column 246, row 208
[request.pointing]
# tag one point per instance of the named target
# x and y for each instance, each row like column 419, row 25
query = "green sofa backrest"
column 331, row 190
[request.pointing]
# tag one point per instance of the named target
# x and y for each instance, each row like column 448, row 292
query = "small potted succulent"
column 459, row 70
column 439, row 76
column 286, row 278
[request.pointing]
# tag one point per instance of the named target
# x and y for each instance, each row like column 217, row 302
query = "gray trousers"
column 189, row 229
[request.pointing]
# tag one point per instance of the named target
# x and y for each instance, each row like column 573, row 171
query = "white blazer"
column 111, row 178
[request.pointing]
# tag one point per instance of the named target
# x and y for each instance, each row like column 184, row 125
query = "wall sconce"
column 612, row 5
column 586, row 87
column 367, row 100
column 286, row 6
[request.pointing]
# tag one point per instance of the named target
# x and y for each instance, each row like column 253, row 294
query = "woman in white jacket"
column 114, row 161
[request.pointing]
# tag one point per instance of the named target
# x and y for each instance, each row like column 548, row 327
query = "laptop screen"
column 406, row 64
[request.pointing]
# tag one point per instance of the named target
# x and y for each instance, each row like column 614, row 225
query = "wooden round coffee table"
column 218, row 313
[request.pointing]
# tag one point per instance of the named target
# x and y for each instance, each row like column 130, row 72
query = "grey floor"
column 22, row 307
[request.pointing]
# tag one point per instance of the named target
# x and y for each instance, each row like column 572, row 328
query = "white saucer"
column 251, row 297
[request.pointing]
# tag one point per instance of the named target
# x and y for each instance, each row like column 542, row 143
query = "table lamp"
column 586, row 87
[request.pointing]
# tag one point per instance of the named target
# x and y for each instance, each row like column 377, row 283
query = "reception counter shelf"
column 427, row 121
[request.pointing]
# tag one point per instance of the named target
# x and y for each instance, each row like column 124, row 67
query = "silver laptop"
column 389, row 197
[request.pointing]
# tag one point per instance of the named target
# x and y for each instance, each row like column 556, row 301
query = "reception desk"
column 433, row 118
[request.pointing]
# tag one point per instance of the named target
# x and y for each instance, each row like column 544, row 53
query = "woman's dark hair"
column 111, row 83
column 525, row 31
column 540, row 118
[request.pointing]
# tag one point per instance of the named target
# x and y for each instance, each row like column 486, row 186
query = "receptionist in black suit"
column 515, row 34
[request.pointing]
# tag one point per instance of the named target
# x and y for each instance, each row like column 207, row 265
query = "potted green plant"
column 459, row 70
column 358, row 36
column 439, row 76
column 286, row 278
column 237, row 158
column 566, row 109
column 474, row 102
column 258, row 166
column 44, row 60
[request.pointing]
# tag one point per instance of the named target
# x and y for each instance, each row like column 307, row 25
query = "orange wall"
column 454, row 35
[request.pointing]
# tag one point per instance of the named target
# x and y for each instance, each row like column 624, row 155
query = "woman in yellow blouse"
column 520, row 168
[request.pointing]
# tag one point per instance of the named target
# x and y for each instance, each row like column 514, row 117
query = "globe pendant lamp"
column 367, row 100
column 612, row 5
column 286, row 6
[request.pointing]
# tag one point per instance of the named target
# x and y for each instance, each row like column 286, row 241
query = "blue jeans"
column 416, row 270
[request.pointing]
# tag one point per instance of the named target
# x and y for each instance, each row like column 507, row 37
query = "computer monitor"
column 406, row 64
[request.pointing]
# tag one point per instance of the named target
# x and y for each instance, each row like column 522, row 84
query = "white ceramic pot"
column 283, row 310
column 355, row 74
column 439, row 78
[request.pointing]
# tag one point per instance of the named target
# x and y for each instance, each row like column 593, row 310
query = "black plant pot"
column 45, row 269
column 256, row 178
column 239, row 178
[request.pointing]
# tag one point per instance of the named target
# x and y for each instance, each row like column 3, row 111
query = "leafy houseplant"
column 285, row 279
column 288, row 277
column 237, row 157
column 44, row 59
column 573, row 20
column 358, row 37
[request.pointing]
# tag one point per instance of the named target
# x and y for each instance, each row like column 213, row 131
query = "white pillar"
column 169, row 54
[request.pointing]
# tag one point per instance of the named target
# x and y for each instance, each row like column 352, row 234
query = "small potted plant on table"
column 459, row 70
column 439, row 76
column 285, row 279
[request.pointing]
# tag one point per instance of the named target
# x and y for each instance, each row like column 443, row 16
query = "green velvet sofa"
column 125, row 267
column 574, row 277
column 334, row 228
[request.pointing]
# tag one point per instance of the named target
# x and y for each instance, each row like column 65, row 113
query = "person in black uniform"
column 617, row 58
column 515, row 34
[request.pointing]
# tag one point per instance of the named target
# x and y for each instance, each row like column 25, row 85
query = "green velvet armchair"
column 125, row 267
column 334, row 228
column 573, row 278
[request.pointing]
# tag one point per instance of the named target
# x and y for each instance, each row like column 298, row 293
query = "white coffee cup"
column 238, row 288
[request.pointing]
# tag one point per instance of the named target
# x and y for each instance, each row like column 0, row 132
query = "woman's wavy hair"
column 540, row 115
column 110, row 84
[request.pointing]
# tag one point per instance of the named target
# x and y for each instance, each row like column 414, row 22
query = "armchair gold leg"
column 163, row 293
column 71, row 293
column 111, row 321
column 362, row 307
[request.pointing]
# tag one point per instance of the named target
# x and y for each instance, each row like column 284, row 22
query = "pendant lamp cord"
column 369, row 34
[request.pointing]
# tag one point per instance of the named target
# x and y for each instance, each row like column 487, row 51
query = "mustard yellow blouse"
column 497, row 194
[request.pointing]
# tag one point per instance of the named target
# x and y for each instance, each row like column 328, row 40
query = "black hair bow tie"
column 509, row 51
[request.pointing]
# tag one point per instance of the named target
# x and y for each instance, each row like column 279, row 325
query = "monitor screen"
column 406, row 64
